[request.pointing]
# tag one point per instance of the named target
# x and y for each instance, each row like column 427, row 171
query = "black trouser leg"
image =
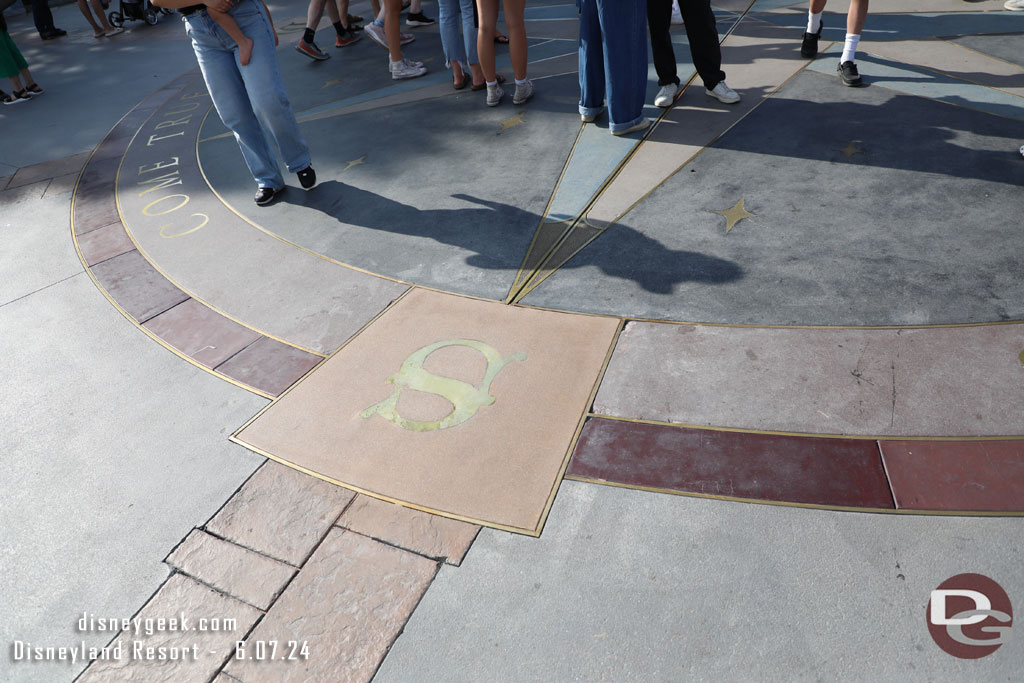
column 41, row 16
column 659, row 21
column 703, row 36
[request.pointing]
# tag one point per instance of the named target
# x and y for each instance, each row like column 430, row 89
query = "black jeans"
column 701, row 32
column 41, row 16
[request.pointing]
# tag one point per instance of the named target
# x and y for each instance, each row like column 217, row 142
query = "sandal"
column 16, row 97
column 500, row 39
column 481, row 86
column 466, row 80
column 34, row 89
column 98, row 33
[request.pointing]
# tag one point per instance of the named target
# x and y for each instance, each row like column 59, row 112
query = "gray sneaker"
column 494, row 95
column 404, row 69
column 523, row 92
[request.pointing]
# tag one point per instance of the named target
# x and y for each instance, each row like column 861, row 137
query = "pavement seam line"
column 41, row 289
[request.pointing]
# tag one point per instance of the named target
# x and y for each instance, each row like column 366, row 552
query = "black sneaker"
column 419, row 19
column 347, row 38
column 848, row 72
column 266, row 195
column 809, row 48
column 307, row 177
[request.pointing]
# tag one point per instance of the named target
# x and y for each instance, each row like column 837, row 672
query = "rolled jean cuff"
column 616, row 127
column 591, row 111
column 303, row 162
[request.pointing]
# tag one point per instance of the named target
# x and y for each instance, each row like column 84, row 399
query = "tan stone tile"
column 49, row 169
column 421, row 532
column 281, row 512
column 201, row 652
column 248, row 576
column 347, row 605
column 498, row 458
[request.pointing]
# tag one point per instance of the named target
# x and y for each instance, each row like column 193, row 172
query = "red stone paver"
column 232, row 569
column 201, row 333
column 840, row 472
column 423, row 533
column 137, row 286
column 347, row 605
column 956, row 475
column 104, row 243
column 180, row 596
column 281, row 512
column 269, row 365
column 95, row 208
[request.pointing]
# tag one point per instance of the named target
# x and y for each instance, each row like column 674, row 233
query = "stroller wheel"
column 152, row 17
column 116, row 19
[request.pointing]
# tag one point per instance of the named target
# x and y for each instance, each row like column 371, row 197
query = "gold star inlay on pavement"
column 1022, row 357
column 851, row 149
column 734, row 215
column 354, row 162
column 516, row 120
column 328, row 84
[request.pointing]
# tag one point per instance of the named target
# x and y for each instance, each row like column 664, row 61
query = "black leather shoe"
column 307, row 177
column 266, row 195
column 809, row 48
column 848, row 72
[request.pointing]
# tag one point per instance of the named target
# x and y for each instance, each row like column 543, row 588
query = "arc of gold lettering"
column 206, row 219
column 145, row 209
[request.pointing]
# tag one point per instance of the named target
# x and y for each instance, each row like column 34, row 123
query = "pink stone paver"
column 180, row 596
column 347, row 605
column 420, row 532
column 281, row 512
column 243, row 574
column 104, row 243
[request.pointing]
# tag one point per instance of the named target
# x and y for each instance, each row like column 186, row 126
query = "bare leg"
column 98, row 8
column 856, row 16
column 392, row 28
column 488, row 10
column 415, row 6
column 817, row 6
column 516, row 36
column 375, row 7
column 83, row 7
column 338, row 11
column 228, row 23
column 313, row 14
column 26, row 77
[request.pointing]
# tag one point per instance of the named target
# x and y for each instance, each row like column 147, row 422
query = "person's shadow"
column 499, row 236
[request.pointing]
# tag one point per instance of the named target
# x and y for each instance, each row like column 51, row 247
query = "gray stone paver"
column 632, row 586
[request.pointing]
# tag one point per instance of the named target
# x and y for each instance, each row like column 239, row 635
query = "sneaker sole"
column 522, row 101
column 720, row 99
column 403, row 77
column 419, row 23
column 270, row 200
column 346, row 43
column 314, row 57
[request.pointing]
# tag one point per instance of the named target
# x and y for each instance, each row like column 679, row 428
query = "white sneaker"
column 644, row 123
column 376, row 34
column 523, row 92
column 494, row 95
column 405, row 60
column 667, row 95
column 590, row 118
column 404, row 69
column 1022, row 150
column 1014, row 5
column 723, row 93
column 677, row 16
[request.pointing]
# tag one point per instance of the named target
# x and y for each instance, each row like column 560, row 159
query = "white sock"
column 492, row 84
column 522, row 82
column 675, row 7
column 850, row 49
column 814, row 21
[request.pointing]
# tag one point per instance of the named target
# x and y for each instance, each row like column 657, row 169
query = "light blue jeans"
column 461, row 49
column 613, row 60
column 250, row 100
